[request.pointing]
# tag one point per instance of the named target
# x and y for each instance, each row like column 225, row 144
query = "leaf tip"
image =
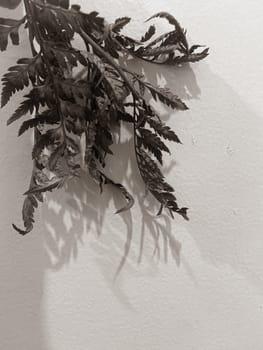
column 21, row 232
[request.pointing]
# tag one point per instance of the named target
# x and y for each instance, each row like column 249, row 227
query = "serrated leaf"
column 172, row 20
column 159, row 50
column 124, row 116
column 153, row 143
column 46, row 117
column 166, row 96
column 183, row 212
column 194, row 47
column 30, row 203
column 195, row 57
column 25, row 107
column 149, row 34
column 163, row 130
column 148, row 167
column 120, row 23
column 160, row 38
column 19, row 76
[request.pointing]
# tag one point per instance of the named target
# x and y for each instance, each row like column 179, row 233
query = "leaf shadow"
column 23, row 260
column 85, row 209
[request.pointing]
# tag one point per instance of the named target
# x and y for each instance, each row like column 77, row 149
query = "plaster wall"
column 88, row 279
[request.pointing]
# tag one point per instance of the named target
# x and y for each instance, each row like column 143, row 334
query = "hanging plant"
column 82, row 94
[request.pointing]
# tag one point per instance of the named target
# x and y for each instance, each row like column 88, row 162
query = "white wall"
column 87, row 279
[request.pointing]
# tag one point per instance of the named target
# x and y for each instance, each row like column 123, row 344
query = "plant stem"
column 32, row 24
column 109, row 60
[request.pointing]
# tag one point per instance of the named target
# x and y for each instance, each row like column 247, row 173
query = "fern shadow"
column 86, row 209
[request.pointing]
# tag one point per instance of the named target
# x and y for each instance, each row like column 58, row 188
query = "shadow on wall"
column 211, row 170
column 23, row 261
column 86, row 208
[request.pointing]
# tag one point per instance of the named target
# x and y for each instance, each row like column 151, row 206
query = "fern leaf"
column 160, row 38
column 195, row 57
column 153, row 143
column 163, row 130
column 159, row 50
column 172, row 20
column 44, row 118
column 166, row 96
column 28, row 210
column 149, row 34
column 120, row 23
column 19, row 76
column 25, row 107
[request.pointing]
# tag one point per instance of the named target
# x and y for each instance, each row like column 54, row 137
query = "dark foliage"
column 76, row 94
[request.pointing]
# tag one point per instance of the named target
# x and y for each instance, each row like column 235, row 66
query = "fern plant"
column 82, row 94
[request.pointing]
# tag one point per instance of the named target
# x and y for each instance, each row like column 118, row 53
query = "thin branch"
column 109, row 60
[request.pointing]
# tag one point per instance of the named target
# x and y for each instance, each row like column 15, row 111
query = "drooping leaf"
column 159, row 50
column 103, row 179
column 153, row 143
column 46, row 117
column 36, row 98
column 29, row 206
column 166, row 96
column 163, row 130
column 183, row 213
column 19, row 76
column 172, row 20
column 25, row 107
column 195, row 57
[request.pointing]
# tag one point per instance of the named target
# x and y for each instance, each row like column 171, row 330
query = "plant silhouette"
column 79, row 95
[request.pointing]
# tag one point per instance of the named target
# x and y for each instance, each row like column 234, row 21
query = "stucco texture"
column 86, row 278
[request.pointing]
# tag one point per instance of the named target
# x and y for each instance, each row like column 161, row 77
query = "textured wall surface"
column 88, row 279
